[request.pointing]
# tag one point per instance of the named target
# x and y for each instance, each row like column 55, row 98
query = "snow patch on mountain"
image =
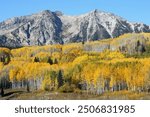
column 47, row 27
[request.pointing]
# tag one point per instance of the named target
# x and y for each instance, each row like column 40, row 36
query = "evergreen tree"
column 36, row 59
column 60, row 79
column 55, row 61
column 83, row 42
column 49, row 61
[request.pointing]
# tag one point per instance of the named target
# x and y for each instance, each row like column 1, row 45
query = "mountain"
column 48, row 27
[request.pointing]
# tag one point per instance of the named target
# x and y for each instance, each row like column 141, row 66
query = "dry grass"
column 123, row 95
column 46, row 95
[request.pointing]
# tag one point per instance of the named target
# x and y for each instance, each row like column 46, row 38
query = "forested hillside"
column 97, row 67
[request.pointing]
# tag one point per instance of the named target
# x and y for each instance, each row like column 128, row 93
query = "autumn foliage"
column 77, row 66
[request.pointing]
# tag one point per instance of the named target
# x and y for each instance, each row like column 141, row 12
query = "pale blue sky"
column 133, row 10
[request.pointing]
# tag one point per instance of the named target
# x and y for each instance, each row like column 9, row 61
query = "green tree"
column 49, row 61
column 55, row 61
column 36, row 59
column 60, row 79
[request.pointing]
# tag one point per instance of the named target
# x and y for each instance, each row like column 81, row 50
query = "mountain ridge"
column 47, row 27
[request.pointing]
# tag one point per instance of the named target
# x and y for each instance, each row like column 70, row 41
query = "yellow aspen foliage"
column 46, row 83
column 98, row 78
column 5, row 50
column 88, row 73
column 81, row 59
column 1, row 66
column 20, row 75
column 13, row 74
column 115, row 54
column 99, row 65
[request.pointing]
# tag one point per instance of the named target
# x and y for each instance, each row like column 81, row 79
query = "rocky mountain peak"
column 45, row 12
column 49, row 27
column 58, row 13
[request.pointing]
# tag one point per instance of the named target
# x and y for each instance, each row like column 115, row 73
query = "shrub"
column 77, row 91
column 66, row 88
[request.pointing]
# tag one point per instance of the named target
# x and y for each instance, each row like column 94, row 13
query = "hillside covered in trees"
column 110, row 65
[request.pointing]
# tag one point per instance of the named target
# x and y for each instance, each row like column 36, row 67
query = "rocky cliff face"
column 49, row 27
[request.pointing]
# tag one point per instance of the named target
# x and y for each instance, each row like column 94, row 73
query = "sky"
column 132, row 10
